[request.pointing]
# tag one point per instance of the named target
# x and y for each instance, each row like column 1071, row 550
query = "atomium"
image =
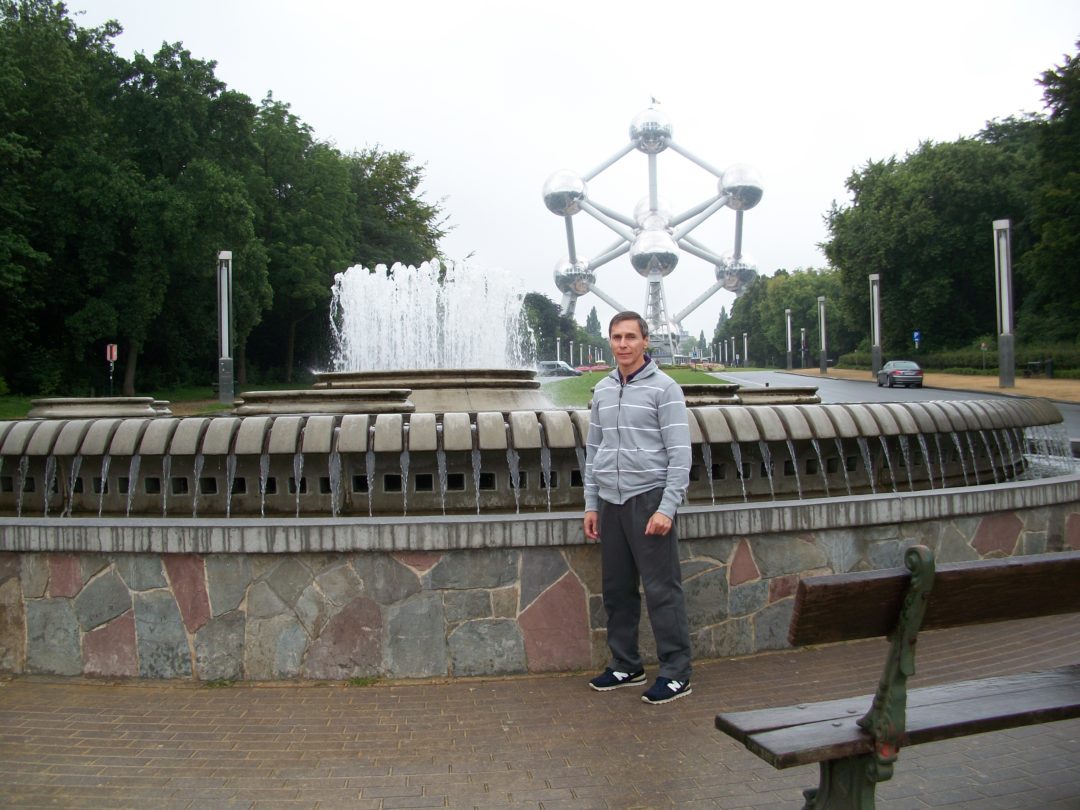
column 653, row 236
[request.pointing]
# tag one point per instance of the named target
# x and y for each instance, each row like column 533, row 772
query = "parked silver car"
column 555, row 368
column 900, row 372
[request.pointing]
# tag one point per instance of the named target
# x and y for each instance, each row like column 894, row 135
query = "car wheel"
column 879, row 383
column 918, row 385
column 890, row 382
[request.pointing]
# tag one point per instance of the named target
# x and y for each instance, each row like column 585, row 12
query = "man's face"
column 628, row 345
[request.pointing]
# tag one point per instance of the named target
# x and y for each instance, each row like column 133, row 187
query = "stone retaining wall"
column 266, row 600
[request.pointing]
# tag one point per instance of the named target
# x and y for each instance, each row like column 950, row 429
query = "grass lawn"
column 575, row 392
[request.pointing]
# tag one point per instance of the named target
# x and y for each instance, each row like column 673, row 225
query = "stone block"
column 706, row 598
column 462, row 606
column 585, row 562
column 340, row 583
column 771, row 626
column 415, row 642
column 843, row 549
column 102, row 600
column 487, row 647
column 65, row 575
column 743, row 568
column 92, row 564
column 219, row 648
column 12, row 627
column 998, row 535
column 227, row 579
column 110, row 650
column 540, row 567
column 188, row 579
column 313, row 610
column 556, row 629
column 504, row 602
column 734, row 637
column 162, row 642
column 350, row 645
column 52, row 638
column 887, row 554
column 34, row 575
column 274, row 648
column 482, row 568
column 140, row 572
column 597, row 613
column 744, row 600
column 778, row 555
column 384, row 579
column 9, row 565
column 717, row 548
column 263, row 603
column 288, row 579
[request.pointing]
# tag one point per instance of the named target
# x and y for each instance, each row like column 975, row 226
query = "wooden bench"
column 856, row 740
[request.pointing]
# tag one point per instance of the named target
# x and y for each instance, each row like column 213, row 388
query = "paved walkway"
column 540, row 742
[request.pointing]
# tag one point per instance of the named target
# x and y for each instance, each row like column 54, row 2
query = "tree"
column 592, row 324
column 1049, row 273
column 923, row 225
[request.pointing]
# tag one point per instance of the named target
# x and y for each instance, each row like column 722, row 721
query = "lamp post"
column 745, row 350
column 224, row 300
column 734, row 357
column 823, row 364
column 802, row 347
column 1003, row 284
column 875, row 323
column 787, row 324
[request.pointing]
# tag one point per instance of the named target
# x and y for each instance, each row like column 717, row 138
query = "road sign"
column 916, row 335
column 110, row 352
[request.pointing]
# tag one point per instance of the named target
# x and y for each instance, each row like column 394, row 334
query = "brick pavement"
column 541, row 742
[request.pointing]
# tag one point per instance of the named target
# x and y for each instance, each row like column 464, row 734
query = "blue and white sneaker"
column 612, row 679
column 666, row 690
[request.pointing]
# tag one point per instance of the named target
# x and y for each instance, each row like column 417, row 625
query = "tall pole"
column 802, row 347
column 745, row 350
column 823, row 365
column 875, row 324
column 787, row 323
column 734, row 357
column 1003, row 279
column 224, row 296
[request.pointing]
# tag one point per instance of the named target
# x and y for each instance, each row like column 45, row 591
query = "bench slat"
column 844, row 607
column 797, row 735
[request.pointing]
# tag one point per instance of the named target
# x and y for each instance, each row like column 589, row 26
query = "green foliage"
column 576, row 392
column 592, row 324
column 121, row 180
column 1049, row 273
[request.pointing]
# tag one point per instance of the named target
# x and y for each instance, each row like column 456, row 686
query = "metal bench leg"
column 844, row 784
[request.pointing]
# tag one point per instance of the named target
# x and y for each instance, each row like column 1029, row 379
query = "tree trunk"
column 240, row 369
column 290, row 348
column 128, row 387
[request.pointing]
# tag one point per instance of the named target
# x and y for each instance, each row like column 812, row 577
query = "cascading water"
column 76, row 464
column 197, row 475
column 706, row 458
column 133, row 477
column 106, row 460
column 166, row 476
column 426, row 318
column 794, row 466
column 230, row 477
column 50, row 481
column 821, row 465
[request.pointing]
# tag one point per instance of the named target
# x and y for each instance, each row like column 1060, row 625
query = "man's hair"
column 629, row 315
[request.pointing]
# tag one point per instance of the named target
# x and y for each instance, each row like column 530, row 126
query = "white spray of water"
column 428, row 317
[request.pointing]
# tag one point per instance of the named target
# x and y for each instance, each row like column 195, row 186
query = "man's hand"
column 592, row 525
column 659, row 523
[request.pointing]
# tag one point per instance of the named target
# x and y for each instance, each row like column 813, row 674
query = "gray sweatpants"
column 628, row 555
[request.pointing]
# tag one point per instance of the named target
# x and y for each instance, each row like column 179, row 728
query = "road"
column 839, row 390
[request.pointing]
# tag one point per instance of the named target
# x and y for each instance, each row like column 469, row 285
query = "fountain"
column 423, row 523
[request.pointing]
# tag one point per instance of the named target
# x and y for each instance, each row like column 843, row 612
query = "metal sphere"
column 563, row 193
column 650, row 131
column 574, row 278
column 654, row 251
column 736, row 275
column 742, row 184
column 647, row 219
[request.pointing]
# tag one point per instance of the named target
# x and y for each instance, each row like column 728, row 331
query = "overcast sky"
column 493, row 97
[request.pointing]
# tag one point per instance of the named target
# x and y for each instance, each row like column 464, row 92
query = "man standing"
column 637, row 470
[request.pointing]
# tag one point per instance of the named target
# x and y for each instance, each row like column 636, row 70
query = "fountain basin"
column 408, row 597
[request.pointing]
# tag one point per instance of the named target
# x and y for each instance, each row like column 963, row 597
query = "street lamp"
column 1003, row 284
column 224, row 299
column 787, row 323
column 745, row 350
column 823, row 365
column 875, row 323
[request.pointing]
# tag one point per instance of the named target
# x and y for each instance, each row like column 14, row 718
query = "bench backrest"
column 844, row 607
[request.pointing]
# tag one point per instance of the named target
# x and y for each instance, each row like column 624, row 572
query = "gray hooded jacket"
column 639, row 439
